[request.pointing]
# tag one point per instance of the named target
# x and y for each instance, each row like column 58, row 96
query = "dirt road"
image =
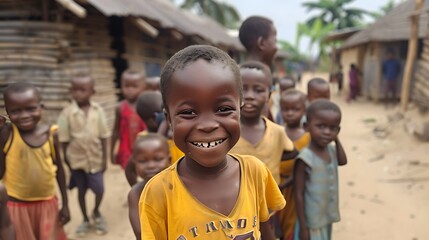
column 384, row 190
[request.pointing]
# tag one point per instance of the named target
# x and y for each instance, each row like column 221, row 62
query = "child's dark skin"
column 201, row 110
column 150, row 157
column 265, row 48
column 152, row 83
column 82, row 88
column 7, row 230
column 286, row 83
column 25, row 111
column 318, row 91
column 256, row 93
column 152, row 126
column 323, row 127
column 292, row 109
column 132, row 84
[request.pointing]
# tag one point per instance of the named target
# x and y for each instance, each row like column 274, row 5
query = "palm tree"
column 315, row 32
column 223, row 13
column 383, row 9
column 335, row 11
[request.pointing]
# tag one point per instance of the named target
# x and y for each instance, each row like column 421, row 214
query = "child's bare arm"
column 163, row 128
column 7, row 230
column 133, row 212
column 341, row 154
column 130, row 173
column 61, row 179
column 4, row 135
column 267, row 232
column 286, row 183
column 289, row 155
column 64, row 146
column 104, row 154
column 299, row 187
column 115, row 135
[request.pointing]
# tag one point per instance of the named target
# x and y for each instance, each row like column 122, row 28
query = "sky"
column 287, row 13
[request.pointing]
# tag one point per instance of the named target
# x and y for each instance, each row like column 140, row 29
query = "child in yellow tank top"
column 30, row 165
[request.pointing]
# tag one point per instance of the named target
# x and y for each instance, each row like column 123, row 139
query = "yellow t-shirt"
column 269, row 149
column 169, row 211
column 30, row 171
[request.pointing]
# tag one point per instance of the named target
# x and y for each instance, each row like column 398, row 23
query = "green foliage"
column 221, row 12
column 390, row 4
column 335, row 12
column 294, row 52
column 315, row 32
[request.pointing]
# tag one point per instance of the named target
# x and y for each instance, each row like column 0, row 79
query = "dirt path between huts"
column 384, row 189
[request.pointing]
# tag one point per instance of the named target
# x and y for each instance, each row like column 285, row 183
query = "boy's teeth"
column 208, row 144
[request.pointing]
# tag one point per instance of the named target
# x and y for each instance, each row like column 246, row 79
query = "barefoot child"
column 292, row 105
column 83, row 132
column 150, row 156
column 315, row 173
column 7, row 230
column 31, row 147
column 260, row 137
column 208, row 193
column 149, row 109
column 127, row 123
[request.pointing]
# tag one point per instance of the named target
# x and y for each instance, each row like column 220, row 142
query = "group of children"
column 212, row 164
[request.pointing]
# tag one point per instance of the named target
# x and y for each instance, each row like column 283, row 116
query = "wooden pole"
column 411, row 55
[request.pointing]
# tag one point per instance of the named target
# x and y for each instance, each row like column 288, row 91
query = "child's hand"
column 64, row 215
column 304, row 234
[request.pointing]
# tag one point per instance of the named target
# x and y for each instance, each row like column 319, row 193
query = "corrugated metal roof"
column 168, row 16
column 393, row 26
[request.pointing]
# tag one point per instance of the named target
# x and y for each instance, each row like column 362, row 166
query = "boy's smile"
column 24, row 109
column 203, row 109
column 255, row 92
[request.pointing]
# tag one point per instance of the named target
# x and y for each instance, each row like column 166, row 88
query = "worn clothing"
column 84, row 181
column 391, row 69
column 130, row 124
column 30, row 173
column 321, row 189
column 169, row 211
column 322, row 233
column 269, row 149
column 83, row 132
column 38, row 220
column 354, row 84
column 287, row 216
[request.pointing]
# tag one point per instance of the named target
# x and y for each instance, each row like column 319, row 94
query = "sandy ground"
column 384, row 189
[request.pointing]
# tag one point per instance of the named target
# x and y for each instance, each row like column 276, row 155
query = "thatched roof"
column 394, row 26
column 169, row 16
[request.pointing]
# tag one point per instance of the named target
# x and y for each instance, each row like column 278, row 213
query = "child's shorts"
column 84, row 181
column 38, row 220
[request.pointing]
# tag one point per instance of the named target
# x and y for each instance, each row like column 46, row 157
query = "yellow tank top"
column 30, row 171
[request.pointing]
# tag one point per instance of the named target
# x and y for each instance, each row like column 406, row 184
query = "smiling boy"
column 208, row 193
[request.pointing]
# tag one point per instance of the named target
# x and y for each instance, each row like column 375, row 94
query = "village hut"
column 369, row 47
column 46, row 42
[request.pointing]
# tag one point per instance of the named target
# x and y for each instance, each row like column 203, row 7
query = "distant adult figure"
column 391, row 70
column 354, row 82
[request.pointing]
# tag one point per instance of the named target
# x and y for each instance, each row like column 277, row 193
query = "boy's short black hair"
column 132, row 71
column 320, row 105
column 19, row 87
column 316, row 81
column 294, row 92
column 190, row 55
column 259, row 66
column 252, row 28
column 147, row 104
column 152, row 136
